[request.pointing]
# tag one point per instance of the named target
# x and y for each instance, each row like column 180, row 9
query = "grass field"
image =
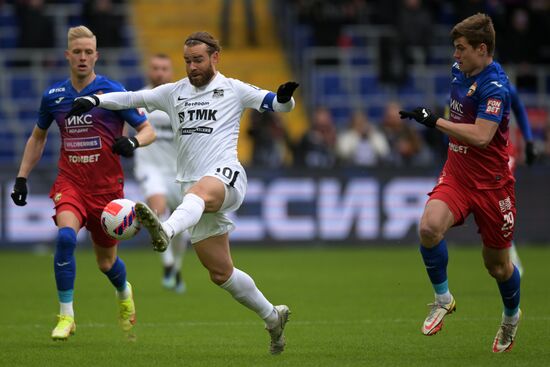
column 350, row 307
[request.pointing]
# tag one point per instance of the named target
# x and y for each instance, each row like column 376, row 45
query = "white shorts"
column 153, row 181
column 218, row 223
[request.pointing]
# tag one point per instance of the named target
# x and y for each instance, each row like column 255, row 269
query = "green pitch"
column 350, row 307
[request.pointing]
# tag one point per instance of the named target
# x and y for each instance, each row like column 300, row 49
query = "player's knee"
column 66, row 239
column 219, row 276
column 500, row 271
column 105, row 263
column 430, row 235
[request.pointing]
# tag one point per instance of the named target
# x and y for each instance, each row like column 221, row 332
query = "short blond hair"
column 79, row 32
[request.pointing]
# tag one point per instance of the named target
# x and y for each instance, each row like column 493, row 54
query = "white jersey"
column 205, row 121
column 162, row 154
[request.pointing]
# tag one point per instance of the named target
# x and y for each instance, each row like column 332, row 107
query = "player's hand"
column 83, row 104
column 125, row 146
column 530, row 153
column 285, row 91
column 19, row 193
column 422, row 115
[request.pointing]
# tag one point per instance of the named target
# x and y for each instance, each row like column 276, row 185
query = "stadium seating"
column 25, row 75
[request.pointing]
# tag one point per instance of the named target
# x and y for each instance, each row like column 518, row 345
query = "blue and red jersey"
column 86, row 158
column 486, row 96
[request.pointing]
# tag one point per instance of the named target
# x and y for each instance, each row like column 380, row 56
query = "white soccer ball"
column 118, row 219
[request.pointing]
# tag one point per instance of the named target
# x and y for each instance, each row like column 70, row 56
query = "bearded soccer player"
column 205, row 110
column 90, row 174
column 476, row 178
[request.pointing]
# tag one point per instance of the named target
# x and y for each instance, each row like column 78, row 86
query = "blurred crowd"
column 35, row 25
column 390, row 142
column 523, row 24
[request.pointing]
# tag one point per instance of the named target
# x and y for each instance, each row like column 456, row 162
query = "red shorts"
column 494, row 210
column 87, row 208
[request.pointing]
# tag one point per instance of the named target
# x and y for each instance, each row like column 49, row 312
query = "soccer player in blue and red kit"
column 476, row 177
column 90, row 174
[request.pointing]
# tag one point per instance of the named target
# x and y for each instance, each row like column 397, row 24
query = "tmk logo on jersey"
column 196, row 115
column 472, row 89
column 493, row 106
column 77, row 121
column 456, row 105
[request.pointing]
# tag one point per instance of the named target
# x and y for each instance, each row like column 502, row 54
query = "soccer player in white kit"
column 155, row 170
column 205, row 110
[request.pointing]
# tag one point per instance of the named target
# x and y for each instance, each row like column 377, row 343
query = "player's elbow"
column 482, row 143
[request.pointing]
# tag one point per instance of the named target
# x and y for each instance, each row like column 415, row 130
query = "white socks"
column 444, row 298
column 66, row 308
column 241, row 286
column 187, row 214
column 510, row 319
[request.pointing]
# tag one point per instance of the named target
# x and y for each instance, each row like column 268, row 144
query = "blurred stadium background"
column 328, row 202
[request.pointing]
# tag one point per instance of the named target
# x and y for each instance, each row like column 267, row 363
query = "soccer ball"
column 118, row 219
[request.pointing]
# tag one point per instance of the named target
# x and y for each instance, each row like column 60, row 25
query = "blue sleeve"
column 521, row 115
column 132, row 116
column 492, row 102
column 45, row 117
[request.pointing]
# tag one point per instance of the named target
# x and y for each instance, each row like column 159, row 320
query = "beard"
column 200, row 79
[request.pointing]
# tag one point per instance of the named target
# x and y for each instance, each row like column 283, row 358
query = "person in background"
column 361, row 144
column 155, row 170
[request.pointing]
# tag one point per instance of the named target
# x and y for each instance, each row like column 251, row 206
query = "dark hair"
column 206, row 38
column 477, row 29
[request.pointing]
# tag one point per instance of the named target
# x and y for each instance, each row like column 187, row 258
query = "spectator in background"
column 414, row 29
column 317, row 146
column 327, row 19
column 269, row 139
column 34, row 27
column 406, row 148
column 107, row 25
column 520, row 48
column 361, row 144
column 225, row 16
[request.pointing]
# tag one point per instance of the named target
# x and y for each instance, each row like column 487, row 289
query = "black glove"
column 125, row 146
column 422, row 115
column 83, row 104
column 530, row 153
column 285, row 91
column 19, row 193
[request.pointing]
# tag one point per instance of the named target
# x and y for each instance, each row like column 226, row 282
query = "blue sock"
column 117, row 275
column 509, row 291
column 435, row 260
column 64, row 263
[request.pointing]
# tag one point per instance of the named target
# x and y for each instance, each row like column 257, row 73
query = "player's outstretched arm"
column 284, row 101
column 149, row 99
column 479, row 134
column 32, row 154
